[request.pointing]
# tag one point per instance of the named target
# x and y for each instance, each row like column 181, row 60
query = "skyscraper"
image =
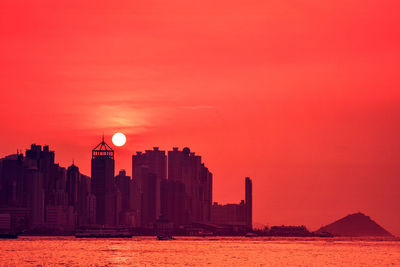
column 186, row 167
column 123, row 183
column 249, row 202
column 72, row 185
column 148, row 170
column 103, row 185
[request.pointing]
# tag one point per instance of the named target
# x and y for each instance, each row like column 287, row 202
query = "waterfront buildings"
column 235, row 214
column 174, row 187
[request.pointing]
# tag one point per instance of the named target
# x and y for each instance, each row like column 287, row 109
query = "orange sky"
column 302, row 96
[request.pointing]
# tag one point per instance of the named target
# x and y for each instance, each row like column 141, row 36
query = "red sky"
column 302, row 96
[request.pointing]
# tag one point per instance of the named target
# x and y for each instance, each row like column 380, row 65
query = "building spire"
column 103, row 149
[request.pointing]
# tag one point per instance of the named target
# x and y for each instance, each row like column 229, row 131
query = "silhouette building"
column 123, row 183
column 235, row 214
column 148, row 170
column 103, row 185
column 186, row 167
column 249, row 202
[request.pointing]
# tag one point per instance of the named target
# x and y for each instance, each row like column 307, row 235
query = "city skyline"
column 219, row 212
column 38, row 196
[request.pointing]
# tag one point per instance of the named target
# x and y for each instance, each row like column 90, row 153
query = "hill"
column 356, row 224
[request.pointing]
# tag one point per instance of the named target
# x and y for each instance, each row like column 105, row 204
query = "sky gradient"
column 302, row 96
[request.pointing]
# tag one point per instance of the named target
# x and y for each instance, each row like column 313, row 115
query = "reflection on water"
column 146, row 251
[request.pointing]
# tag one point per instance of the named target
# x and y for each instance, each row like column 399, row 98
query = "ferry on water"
column 104, row 232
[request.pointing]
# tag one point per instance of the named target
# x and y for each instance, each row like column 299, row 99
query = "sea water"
column 189, row 251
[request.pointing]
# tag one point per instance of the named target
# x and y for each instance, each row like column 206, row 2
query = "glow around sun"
column 119, row 139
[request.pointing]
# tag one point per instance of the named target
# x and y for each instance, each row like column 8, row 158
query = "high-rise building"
column 86, row 207
column 123, row 183
column 249, row 202
column 148, row 170
column 73, row 176
column 44, row 160
column 186, row 167
column 205, row 193
column 12, row 181
column 103, row 185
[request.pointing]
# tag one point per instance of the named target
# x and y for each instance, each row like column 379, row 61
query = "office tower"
column 58, row 195
column 79, row 196
column 205, row 193
column 73, row 176
column 123, row 183
column 44, row 160
column 13, row 194
column 148, row 170
column 103, row 186
column 12, row 181
column 86, row 206
column 249, row 202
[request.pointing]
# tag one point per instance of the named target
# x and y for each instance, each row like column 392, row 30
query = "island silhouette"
column 357, row 225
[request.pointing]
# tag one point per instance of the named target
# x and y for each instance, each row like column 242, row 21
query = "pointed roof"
column 103, row 150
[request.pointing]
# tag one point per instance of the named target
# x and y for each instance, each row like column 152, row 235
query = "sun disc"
column 119, row 139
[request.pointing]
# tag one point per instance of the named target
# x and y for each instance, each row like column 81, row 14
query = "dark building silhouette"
column 44, row 161
column 173, row 201
column 229, row 213
column 73, row 176
column 148, row 170
column 103, row 185
column 186, row 167
column 80, row 196
column 249, row 202
column 12, row 186
column 235, row 214
column 123, row 183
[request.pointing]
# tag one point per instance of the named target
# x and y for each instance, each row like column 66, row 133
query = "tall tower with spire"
column 103, row 185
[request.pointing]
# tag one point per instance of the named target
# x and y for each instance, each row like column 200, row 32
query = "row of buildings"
column 40, row 196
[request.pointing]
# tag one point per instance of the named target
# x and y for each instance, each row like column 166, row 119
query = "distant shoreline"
column 262, row 238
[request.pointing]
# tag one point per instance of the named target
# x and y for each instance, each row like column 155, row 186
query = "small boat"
column 250, row 234
column 165, row 237
column 325, row 234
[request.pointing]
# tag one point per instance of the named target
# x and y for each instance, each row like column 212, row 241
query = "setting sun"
column 119, row 139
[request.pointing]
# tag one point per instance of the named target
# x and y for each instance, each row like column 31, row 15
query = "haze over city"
column 304, row 101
